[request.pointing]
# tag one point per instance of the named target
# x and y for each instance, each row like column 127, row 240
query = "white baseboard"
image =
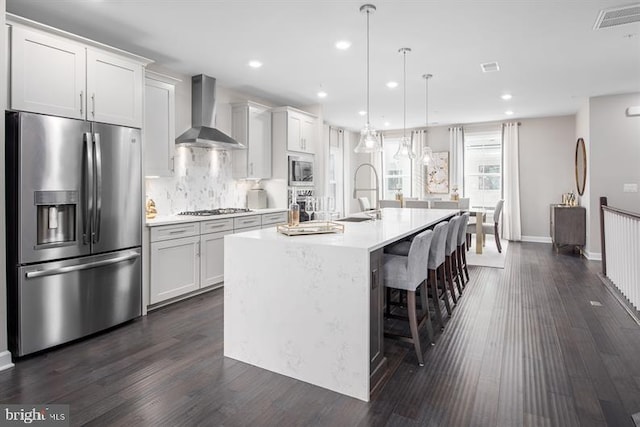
column 536, row 239
column 593, row 256
column 5, row 360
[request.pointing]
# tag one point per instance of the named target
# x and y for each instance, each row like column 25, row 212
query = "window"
column 483, row 168
column 396, row 174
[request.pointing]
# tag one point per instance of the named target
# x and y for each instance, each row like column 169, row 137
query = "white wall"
column 547, row 152
column 614, row 158
column 582, row 131
column 5, row 357
column 546, row 166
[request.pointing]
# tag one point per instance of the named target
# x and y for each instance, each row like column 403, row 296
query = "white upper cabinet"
column 61, row 74
column 159, row 125
column 295, row 127
column 252, row 127
column 114, row 88
column 47, row 74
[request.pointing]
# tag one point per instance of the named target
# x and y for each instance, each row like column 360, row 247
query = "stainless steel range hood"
column 203, row 132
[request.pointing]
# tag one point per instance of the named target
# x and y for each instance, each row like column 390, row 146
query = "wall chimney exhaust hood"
column 203, row 132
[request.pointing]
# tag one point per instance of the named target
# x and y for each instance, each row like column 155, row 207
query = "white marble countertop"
column 178, row 219
column 396, row 223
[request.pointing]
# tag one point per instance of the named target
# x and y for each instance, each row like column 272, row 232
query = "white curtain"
column 511, row 229
column 419, row 138
column 456, row 158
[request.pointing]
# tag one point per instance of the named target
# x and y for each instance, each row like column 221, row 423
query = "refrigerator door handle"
column 87, row 266
column 98, row 190
column 88, row 189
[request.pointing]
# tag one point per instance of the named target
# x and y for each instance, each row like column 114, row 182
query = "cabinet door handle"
column 374, row 279
column 93, row 104
column 197, row 248
column 177, row 231
column 81, row 96
column 173, row 164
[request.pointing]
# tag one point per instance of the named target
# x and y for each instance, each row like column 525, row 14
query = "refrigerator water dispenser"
column 56, row 217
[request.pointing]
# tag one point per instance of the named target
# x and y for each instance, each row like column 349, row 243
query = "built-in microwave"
column 301, row 170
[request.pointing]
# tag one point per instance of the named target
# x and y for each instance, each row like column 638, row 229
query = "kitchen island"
column 310, row 307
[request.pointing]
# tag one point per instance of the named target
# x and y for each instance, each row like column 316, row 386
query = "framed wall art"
column 437, row 173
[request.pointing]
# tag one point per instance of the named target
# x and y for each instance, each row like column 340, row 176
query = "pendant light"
column 427, row 153
column 405, row 150
column 369, row 139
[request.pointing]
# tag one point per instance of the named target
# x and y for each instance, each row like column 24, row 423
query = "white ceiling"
column 550, row 58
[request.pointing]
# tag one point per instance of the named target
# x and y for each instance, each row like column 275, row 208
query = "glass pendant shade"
column 427, row 155
column 404, row 150
column 369, row 141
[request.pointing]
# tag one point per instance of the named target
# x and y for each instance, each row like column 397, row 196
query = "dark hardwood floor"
column 524, row 347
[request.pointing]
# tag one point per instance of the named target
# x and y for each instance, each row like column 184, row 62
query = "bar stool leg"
column 436, row 301
column 455, row 272
column 413, row 324
column 449, row 276
column 464, row 258
column 443, row 284
column 459, row 263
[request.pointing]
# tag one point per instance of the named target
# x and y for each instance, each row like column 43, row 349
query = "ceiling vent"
column 618, row 16
column 489, row 67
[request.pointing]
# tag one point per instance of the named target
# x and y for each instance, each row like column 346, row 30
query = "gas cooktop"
column 210, row 212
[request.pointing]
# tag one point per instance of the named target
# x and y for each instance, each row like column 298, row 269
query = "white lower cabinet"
column 175, row 268
column 212, row 251
column 273, row 219
column 189, row 256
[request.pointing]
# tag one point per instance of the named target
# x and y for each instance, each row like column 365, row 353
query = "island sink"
column 354, row 219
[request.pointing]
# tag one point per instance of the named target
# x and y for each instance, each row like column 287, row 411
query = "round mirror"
column 581, row 166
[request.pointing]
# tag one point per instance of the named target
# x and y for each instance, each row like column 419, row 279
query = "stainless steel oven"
column 301, row 170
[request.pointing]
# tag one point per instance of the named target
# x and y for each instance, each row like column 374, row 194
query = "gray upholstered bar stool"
column 435, row 265
column 450, row 263
column 461, row 254
column 408, row 273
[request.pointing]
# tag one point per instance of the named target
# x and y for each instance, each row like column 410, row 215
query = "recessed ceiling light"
column 322, row 94
column 343, row 44
column 362, row 113
column 387, row 124
column 392, row 85
column 506, row 96
column 509, row 113
column 489, row 67
column 255, row 64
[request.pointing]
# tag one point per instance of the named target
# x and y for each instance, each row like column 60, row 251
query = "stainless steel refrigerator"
column 74, row 229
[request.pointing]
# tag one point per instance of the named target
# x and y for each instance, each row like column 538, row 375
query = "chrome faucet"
column 377, row 187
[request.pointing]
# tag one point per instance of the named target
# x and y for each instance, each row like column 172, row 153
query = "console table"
column 568, row 226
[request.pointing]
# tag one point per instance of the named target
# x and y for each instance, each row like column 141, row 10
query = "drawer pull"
column 177, row 231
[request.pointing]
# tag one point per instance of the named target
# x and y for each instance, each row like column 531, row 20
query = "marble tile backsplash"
column 202, row 180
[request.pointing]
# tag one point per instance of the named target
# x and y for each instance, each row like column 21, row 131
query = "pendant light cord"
column 404, row 123
column 368, row 122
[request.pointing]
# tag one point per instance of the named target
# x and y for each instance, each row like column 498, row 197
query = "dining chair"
column 491, row 228
column 463, row 203
column 444, row 204
column 416, row 204
column 364, row 204
column 407, row 274
column 390, row 204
